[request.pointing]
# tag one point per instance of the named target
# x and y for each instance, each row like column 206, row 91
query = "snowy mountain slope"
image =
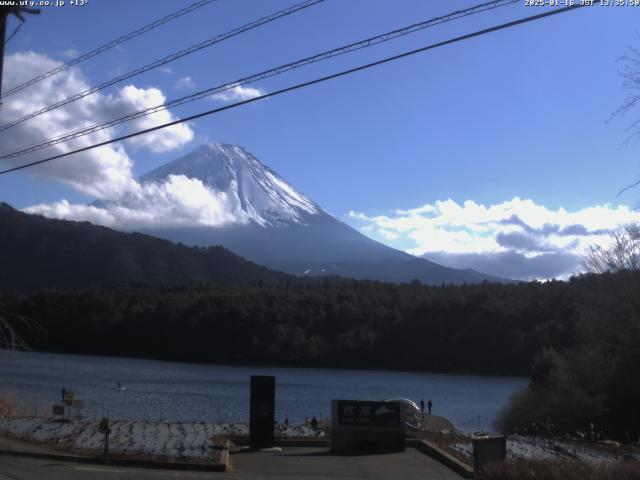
column 260, row 192
column 286, row 230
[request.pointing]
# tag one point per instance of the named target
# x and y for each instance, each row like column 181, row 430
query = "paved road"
column 318, row 464
column 291, row 463
column 21, row 468
column 13, row 444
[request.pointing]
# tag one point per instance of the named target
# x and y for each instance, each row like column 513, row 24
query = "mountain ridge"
column 37, row 252
column 287, row 230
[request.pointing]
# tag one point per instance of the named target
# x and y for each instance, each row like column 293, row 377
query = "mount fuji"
column 284, row 230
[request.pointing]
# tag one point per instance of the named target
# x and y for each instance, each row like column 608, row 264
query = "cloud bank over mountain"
column 213, row 186
column 516, row 238
column 104, row 172
column 177, row 201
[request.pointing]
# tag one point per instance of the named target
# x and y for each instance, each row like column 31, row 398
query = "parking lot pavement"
column 22, row 468
column 291, row 463
column 318, row 464
column 12, row 444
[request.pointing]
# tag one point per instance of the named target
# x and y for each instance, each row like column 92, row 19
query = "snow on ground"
column 196, row 441
column 542, row 448
column 171, row 440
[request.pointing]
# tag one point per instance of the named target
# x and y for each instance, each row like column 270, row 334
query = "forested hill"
column 485, row 328
column 40, row 252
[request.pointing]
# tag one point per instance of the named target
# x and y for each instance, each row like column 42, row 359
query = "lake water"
column 181, row 391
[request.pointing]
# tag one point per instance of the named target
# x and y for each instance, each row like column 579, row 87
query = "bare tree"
column 10, row 339
column 622, row 254
column 630, row 74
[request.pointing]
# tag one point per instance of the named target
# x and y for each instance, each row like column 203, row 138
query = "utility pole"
column 3, row 34
column 4, row 13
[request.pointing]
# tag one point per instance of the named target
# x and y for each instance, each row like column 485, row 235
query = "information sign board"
column 366, row 425
column 358, row 413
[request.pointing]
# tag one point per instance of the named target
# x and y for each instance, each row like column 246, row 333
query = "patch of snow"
column 171, row 440
column 465, row 449
column 543, row 448
column 298, row 431
column 290, row 194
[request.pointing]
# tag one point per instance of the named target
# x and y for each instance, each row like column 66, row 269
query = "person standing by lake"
column 429, row 405
column 422, row 406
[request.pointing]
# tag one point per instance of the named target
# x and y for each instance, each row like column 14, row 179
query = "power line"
column 169, row 58
column 15, row 30
column 110, row 45
column 261, row 75
column 306, row 84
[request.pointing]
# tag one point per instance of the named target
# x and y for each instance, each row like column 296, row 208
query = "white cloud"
column 516, row 238
column 103, row 172
column 106, row 173
column 179, row 201
column 184, row 83
column 70, row 53
column 165, row 140
column 238, row 93
column 165, row 70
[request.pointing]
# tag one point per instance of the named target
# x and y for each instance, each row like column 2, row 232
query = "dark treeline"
column 593, row 386
column 486, row 328
column 579, row 340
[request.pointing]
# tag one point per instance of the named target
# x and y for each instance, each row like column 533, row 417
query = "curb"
column 224, row 456
column 223, row 466
column 440, row 455
column 283, row 442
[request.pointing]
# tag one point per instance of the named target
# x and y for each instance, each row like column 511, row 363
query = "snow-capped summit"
column 261, row 193
column 286, row 230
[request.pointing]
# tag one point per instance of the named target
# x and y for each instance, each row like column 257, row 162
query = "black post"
column 262, row 410
column 104, row 428
column 106, row 443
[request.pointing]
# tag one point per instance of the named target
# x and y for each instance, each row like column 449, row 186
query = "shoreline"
column 188, row 392
column 275, row 365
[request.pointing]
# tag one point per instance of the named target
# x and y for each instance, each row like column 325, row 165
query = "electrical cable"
column 110, row 45
column 16, row 30
column 306, row 84
column 165, row 60
column 385, row 37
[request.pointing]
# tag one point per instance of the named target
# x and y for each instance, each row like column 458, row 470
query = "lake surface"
column 182, row 391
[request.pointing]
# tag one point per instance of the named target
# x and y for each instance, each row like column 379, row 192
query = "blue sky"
column 519, row 113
